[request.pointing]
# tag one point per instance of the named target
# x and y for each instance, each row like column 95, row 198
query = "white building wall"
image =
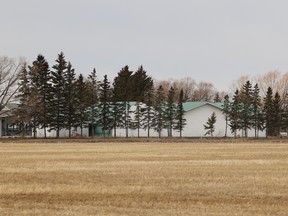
column 64, row 133
column 195, row 119
column 121, row 132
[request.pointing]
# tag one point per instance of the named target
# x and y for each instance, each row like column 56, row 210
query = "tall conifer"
column 226, row 111
column 148, row 111
column 170, row 111
column 58, row 102
column 246, row 108
column 105, row 118
column 180, row 120
column 268, row 108
column 94, row 86
column 257, row 114
column 81, row 103
column 158, row 121
column 235, row 113
column 70, row 92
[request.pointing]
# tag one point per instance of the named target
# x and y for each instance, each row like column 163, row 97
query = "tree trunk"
column 45, row 133
column 138, row 131
column 226, row 126
column 115, row 132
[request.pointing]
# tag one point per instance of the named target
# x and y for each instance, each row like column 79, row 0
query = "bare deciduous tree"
column 204, row 92
column 238, row 84
column 9, row 74
column 188, row 85
column 270, row 79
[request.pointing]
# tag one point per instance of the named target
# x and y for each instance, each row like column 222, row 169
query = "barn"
column 196, row 115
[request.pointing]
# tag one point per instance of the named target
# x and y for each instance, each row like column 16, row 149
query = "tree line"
column 56, row 98
column 247, row 110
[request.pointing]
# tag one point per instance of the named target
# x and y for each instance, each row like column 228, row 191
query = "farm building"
column 196, row 115
column 6, row 114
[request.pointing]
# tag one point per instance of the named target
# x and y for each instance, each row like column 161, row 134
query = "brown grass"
column 146, row 178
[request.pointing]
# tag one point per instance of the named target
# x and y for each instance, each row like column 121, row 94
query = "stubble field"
column 144, row 178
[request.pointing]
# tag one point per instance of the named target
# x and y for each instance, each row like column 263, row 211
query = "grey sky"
column 209, row 40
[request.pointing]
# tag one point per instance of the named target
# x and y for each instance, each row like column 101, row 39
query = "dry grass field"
column 145, row 178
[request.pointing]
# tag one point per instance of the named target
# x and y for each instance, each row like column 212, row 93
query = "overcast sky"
column 215, row 41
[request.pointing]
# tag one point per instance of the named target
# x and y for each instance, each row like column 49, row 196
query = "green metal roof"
column 195, row 104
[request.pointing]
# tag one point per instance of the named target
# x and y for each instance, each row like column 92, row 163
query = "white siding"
column 63, row 133
column 196, row 118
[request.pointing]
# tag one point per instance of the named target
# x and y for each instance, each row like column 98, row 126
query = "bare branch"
column 9, row 74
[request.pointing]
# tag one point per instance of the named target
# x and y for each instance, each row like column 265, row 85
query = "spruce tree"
column 40, row 93
column 217, row 98
column 148, row 111
column 117, row 113
column 123, row 94
column 122, row 85
column 256, row 103
column 268, row 108
column 158, row 121
column 137, row 121
column 284, row 119
column 140, row 83
column 226, row 111
column 81, row 103
column 105, row 118
column 277, row 114
column 93, row 85
column 246, row 112
column 180, row 120
column 70, row 92
column 235, row 113
column 22, row 115
column 58, row 102
column 210, row 125
column 170, row 111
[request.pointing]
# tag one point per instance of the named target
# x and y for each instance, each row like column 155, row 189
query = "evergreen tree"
column 210, row 125
column 284, row 119
column 40, row 93
column 93, row 85
column 70, row 95
column 246, row 101
column 180, row 120
column 122, row 89
column 127, row 118
column 137, row 124
column 45, row 92
column 118, row 110
column 22, row 115
column 81, row 103
column 140, row 83
column 226, row 111
column 105, row 118
column 158, row 121
column 148, row 111
column 122, row 85
column 256, row 103
column 170, row 111
column 217, row 98
column 268, row 108
column 234, row 116
column 58, row 102
column 277, row 114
